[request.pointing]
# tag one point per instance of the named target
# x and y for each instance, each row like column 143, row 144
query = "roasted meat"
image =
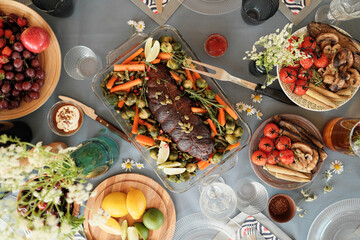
column 173, row 111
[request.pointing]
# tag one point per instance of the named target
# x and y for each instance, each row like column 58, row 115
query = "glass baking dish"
column 118, row 55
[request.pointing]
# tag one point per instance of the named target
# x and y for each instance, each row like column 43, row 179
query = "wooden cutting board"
column 156, row 196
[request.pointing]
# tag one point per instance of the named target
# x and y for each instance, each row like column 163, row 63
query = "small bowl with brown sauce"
column 281, row 208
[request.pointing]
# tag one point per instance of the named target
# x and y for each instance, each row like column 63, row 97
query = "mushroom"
column 340, row 80
column 328, row 79
column 328, row 38
column 327, row 50
column 304, row 148
column 343, row 59
column 306, row 158
column 354, row 80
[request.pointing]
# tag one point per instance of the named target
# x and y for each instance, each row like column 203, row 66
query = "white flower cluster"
column 99, row 218
column 249, row 109
column 78, row 193
column 46, row 195
column 129, row 164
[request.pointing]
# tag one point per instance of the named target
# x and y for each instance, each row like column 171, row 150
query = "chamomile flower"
column 131, row 22
column 139, row 165
column 240, row 106
column 256, row 98
column 250, row 110
column 259, row 115
column 328, row 175
column 337, row 167
column 140, row 26
column 128, row 165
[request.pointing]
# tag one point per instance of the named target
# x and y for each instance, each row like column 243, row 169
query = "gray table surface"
column 102, row 26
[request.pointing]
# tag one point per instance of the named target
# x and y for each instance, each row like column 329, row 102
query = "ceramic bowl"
column 281, row 201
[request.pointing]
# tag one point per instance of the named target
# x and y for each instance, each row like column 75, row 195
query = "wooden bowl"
column 274, row 202
column 50, row 60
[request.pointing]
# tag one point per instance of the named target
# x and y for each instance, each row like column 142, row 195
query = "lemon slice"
column 154, row 52
column 111, row 226
column 148, row 46
column 169, row 165
column 123, row 229
column 164, row 152
column 132, row 233
column 173, row 171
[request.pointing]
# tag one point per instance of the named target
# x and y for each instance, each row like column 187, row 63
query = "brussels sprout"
column 173, row 178
column 176, row 46
column 216, row 158
column 154, row 153
column 130, row 112
column 166, row 47
column 228, row 117
column 112, row 99
column 238, row 132
column 185, row 176
column 231, row 139
column 201, row 83
column 186, row 156
column 230, row 127
column 191, row 167
column 130, row 99
column 142, row 129
column 172, row 64
column 187, row 84
column 209, row 94
column 124, row 115
column 166, row 39
column 144, row 113
column 154, row 131
column 173, row 156
column 140, row 103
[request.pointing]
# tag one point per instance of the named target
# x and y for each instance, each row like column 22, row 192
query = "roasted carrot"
column 161, row 138
column 189, row 76
column 198, row 110
column 135, row 126
column 230, row 147
column 126, row 86
column 176, row 77
column 212, row 127
column 121, row 103
column 129, row 67
column 134, row 55
column 203, row 164
column 156, row 61
column 164, row 56
column 135, row 62
column 227, row 108
column 145, row 140
column 146, row 124
column 197, row 75
column 221, row 117
column 111, row 82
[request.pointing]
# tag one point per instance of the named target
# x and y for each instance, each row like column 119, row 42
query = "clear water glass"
column 338, row 10
column 252, row 197
column 210, row 179
column 81, row 62
column 217, row 200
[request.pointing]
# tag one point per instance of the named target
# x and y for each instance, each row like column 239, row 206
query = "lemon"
column 164, row 152
column 154, row 52
column 111, row 226
column 115, row 204
column 123, row 230
column 136, row 203
column 169, row 165
column 153, row 218
column 173, row 171
column 132, row 234
column 148, row 46
column 142, row 230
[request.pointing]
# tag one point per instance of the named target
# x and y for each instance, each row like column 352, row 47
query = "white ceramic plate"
column 298, row 99
column 337, row 221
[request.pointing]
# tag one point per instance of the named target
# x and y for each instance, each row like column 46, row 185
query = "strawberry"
column 8, row 33
column 309, row 44
column 1, row 32
column 4, row 59
column 307, row 61
column 322, row 61
column 22, row 21
column 2, row 42
column 7, row 51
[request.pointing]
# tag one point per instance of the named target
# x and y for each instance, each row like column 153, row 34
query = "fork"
column 250, row 233
column 221, row 74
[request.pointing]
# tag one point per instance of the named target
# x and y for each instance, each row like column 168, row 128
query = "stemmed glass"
column 338, row 10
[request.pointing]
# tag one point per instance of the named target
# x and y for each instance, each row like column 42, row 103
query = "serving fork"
column 222, row 75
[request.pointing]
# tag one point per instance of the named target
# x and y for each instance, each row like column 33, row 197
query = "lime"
column 123, row 229
column 164, row 152
column 142, row 230
column 148, row 46
column 173, row 171
column 132, row 234
column 154, row 52
column 153, row 218
column 169, row 165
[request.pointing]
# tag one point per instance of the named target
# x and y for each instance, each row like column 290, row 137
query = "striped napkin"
column 152, row 4
column 295, row 6
column 251, row 222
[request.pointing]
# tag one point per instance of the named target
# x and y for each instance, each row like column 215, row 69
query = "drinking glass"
column 257, row 11
column 96, row 155
column 81, row 62
column 56, row 8
column 338, row 10
column 217, row 200
column 343, row 135
column 252, row 197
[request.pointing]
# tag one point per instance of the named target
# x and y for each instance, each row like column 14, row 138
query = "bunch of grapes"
column 21, row 76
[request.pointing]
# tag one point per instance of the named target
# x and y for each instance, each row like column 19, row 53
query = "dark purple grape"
column 35, row 87
column 17, row 36
column 9, row 75
column 18, row 86
column 6, row 87
column 15, row 55
column 8, row 67
column 27, row 98
column 14, row 104
column 34, row 95
column 40, row 82
column 27, row 54
column 19, row 77
column 18, row 47
column 20, row 69
column 18, row 63
column 30, row 72
column 15, row 93
column 12, row 18
column 35, row 63
column 4, row 104
column 40, row 74
column 1, row 82
column 26, row 86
